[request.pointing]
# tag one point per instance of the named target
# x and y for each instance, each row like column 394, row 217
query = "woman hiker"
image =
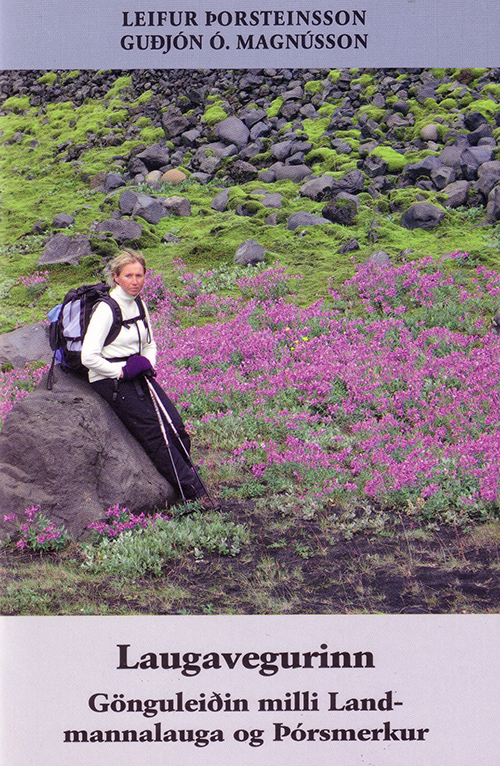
column 118, row 373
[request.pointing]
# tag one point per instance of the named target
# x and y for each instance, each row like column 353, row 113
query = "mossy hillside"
column 210, row 240
column 51, row 153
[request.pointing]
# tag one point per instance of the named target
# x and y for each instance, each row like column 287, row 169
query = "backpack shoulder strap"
column 117, row 323
column 143, row 316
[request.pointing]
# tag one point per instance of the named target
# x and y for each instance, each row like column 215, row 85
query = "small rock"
column 63, row 221
column 297, row 220
column 177, row 206
column 429, row 133
column 249, row 253
column 174, row 176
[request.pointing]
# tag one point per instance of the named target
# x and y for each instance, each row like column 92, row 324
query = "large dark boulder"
column 451, row 156
column 493, row 207
column 422, row 215
column 249, row 253
column 318, row 189
column 298, row 220
column 326, row 186
column 341, row 210
column 63, row 221
column 67, row 451
column 63, row 248
column 375, row 166
column 142, row 205
column 473, row 158
column 457, row 193
column 296, row 173
column 282, row 149
column 242, row 172
column 26, row 344
column 423, row 168
column 121, row 230
column 174, row 125
column 443, row 176
column 232, row 131
column 488, row 177
column 251, row 116
column 154, row 157
column 219, row 202
column 113, row 181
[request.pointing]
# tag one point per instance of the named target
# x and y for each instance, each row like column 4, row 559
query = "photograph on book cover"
column 315, row 192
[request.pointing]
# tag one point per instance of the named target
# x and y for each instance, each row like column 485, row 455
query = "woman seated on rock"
column 118, row 373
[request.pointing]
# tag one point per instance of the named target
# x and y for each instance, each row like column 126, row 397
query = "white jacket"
column 96, row 357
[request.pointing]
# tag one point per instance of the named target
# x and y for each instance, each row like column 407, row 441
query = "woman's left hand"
column 136, row 365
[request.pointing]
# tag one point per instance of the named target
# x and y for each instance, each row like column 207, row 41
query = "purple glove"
column 135, row 366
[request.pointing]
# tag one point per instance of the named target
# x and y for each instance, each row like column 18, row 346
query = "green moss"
column 236, row 197
column 119, row 116
column 152, row 135
column 364, row 80
column 478, row 73
column 402, row 199
column 334, row 75
column 326, row 110
column 353, row 143
column 485, row 106
column 121, row 83
column 370, row 91
column 314, row 86
column 145, row 97
column 493, row 88
column 67, row 76
column 324, row 157
column 60, row 109
column 105, row 248
column 275, row 107
column 214, row 114
column 17, row 104
column 466, row 99
column 150, row 237
column 396, row 162
column 48, row 78
column 314, row 129
column 448, row 104
column 374, row 112
column 253, row 207
column 354, row 133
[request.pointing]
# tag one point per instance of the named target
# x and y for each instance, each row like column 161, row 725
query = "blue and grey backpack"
column 70, row 319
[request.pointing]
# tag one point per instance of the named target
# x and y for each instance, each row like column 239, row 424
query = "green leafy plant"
column 135, row 546
column 37, row 532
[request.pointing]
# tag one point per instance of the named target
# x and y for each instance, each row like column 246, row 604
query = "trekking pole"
column 158, row 403
column 167, row 442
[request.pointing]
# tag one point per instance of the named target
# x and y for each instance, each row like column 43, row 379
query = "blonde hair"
column 120, row 261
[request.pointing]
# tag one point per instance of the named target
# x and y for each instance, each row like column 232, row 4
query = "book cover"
column 344, row 605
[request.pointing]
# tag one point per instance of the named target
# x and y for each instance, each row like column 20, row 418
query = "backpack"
column 70, row 319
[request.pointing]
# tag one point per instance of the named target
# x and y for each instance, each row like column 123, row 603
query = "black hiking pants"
column 133, row 404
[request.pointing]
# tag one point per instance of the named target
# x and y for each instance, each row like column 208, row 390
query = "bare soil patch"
column 290, row 566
